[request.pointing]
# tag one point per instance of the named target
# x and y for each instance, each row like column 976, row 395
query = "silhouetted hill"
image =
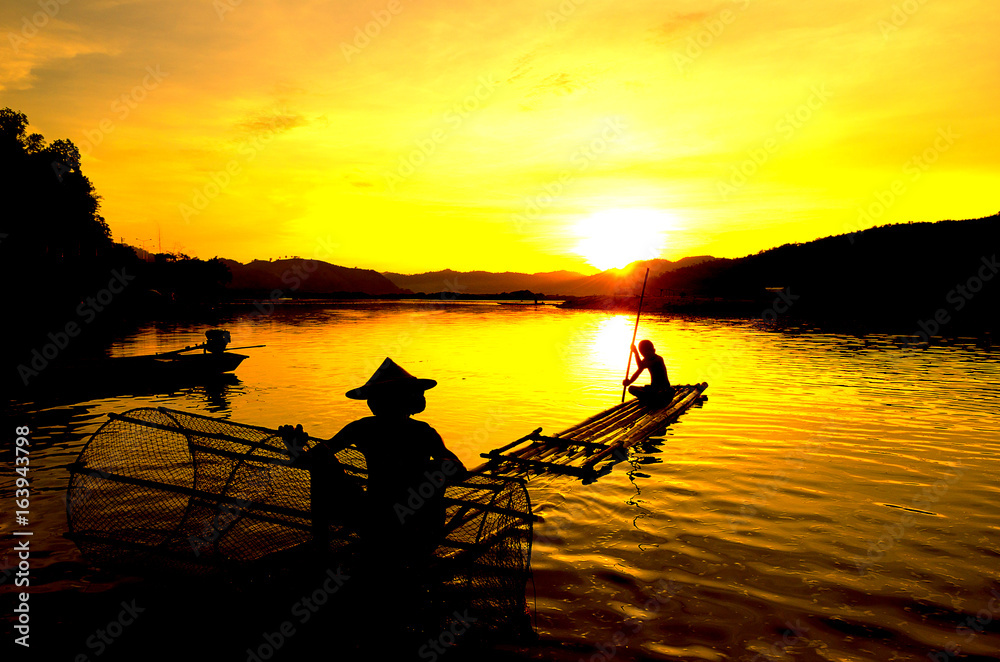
column 888, row 273
column 628, row 279
column 300, row 276
column 555, row 283
column 481, row 282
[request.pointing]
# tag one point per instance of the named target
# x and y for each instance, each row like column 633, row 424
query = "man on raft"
column 659, row 384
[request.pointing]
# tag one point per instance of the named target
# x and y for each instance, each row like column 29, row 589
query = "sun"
column 613, row 238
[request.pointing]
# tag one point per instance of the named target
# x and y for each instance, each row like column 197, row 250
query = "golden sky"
column 411, row 136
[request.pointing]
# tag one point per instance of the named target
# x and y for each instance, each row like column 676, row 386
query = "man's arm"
column 295, row 440
column 441, row 452
column 639, row 367
column 342, row 439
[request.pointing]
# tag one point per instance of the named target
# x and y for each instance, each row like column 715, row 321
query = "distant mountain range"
column 555, row 283
column 941, row 275
column 297, row 276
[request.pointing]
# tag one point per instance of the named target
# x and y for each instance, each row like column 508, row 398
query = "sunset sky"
column 522, row 136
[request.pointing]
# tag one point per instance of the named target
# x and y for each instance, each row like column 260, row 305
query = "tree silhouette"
column 55, row 246
column 57, row 255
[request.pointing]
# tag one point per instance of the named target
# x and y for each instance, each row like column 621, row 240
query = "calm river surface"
column 834, row 499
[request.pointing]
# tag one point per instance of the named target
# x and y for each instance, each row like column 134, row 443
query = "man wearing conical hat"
column 408, row 465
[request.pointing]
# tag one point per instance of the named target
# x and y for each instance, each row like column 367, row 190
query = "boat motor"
column 217, row 340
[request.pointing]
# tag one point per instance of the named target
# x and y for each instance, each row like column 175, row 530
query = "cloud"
column 271, row 122
column 31, row 50
column 357, row 180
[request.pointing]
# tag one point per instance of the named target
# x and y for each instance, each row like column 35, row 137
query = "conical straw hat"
column 389, row 375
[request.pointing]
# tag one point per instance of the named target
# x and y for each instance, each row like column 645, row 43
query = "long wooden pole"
column 192, row 348
column 628, row 367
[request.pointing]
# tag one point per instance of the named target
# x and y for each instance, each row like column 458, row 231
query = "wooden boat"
column 602, row 439
column 172, row 364
column 178, row 364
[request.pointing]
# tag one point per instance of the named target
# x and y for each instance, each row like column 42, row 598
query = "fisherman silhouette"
column 659, row 384
column 408, row 468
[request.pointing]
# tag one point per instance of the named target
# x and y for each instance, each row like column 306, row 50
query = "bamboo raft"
column 602, row 439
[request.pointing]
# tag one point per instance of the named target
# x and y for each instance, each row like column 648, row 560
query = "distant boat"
column 175, row 365
column 525, row 303
column 179, row 364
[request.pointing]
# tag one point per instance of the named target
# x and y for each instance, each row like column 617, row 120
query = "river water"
column 836, row 498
